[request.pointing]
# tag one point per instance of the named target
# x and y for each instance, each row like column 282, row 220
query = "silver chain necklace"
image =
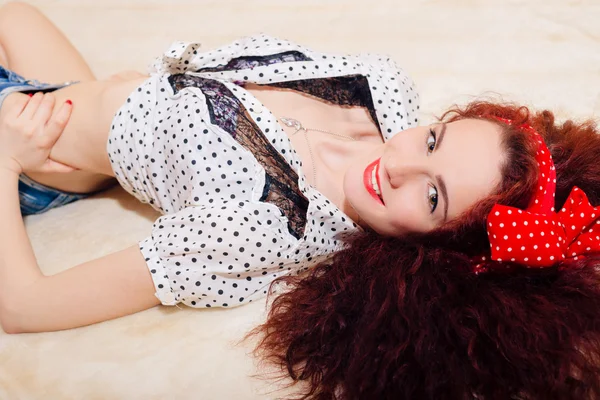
column 297, row 125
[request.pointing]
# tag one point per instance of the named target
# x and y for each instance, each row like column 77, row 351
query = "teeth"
column 374, row 182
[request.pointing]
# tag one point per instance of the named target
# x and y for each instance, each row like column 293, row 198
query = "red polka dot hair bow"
column 538, row 236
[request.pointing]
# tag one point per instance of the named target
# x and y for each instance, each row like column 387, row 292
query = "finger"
column 44, row 111
column 32, row 106
column 55, row 127
column 70, row 166
column 55, row 166
column 17, row 107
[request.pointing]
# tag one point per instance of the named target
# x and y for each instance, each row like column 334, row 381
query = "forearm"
column 33, row 302
column 99, row 290
column 18, row 265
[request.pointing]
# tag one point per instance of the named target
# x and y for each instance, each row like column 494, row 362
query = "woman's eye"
column 431, row 141
column 432, row 197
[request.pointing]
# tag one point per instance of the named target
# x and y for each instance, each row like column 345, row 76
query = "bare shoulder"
column 106, row 288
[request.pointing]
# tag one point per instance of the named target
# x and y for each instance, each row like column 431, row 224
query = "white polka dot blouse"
column 237, row 211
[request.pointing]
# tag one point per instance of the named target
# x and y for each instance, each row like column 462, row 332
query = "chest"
column 330, row 136
column 339, row 125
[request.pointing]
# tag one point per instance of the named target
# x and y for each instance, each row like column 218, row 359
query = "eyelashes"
column 432, row 192
column 432, row 197
column 431, row 141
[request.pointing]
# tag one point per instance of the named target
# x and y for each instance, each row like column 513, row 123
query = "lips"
column 371, row 180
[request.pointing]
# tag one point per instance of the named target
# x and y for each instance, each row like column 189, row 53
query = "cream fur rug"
column 540, row 52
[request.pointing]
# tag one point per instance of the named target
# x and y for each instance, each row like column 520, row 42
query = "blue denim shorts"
column 12, row 82
column 34, row 197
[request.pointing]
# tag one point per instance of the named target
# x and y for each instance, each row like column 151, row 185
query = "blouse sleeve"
column 218, row 256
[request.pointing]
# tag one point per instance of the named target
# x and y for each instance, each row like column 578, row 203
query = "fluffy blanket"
column 539, row 52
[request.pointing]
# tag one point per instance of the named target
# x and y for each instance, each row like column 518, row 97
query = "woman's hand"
column 29, row 130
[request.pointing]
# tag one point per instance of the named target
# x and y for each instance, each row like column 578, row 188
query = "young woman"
column 269, row 159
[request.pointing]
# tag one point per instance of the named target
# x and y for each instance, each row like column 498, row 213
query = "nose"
column 399, row 169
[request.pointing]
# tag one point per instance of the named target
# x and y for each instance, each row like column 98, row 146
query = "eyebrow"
column 439, row 179
column 440, row 139
column 442, row 186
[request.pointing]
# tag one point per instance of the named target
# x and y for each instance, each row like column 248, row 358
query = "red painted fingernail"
column 30, row 94
column 69, row 102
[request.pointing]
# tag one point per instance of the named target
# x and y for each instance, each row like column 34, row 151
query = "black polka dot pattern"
column 394, row 95
column 217, row 245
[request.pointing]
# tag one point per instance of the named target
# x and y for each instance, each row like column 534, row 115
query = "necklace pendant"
column 292, row 123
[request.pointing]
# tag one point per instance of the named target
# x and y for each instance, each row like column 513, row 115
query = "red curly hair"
column 405, row 318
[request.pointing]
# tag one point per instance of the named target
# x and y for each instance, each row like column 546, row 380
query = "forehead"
column 471, row 158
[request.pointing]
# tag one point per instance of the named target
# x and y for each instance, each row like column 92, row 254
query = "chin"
column 369, row 226
column 386, row 231
column 380, row 232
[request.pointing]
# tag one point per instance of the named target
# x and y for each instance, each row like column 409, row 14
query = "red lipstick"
column 370, row 176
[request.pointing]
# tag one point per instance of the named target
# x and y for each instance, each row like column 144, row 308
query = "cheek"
column 405, row 215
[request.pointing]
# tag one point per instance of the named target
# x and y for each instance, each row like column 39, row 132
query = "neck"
column 335, row 157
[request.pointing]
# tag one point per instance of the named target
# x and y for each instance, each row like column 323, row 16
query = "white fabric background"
column 539, row 52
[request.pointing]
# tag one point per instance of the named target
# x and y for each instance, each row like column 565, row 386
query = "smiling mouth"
column 375, row 181
column 371, row 180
